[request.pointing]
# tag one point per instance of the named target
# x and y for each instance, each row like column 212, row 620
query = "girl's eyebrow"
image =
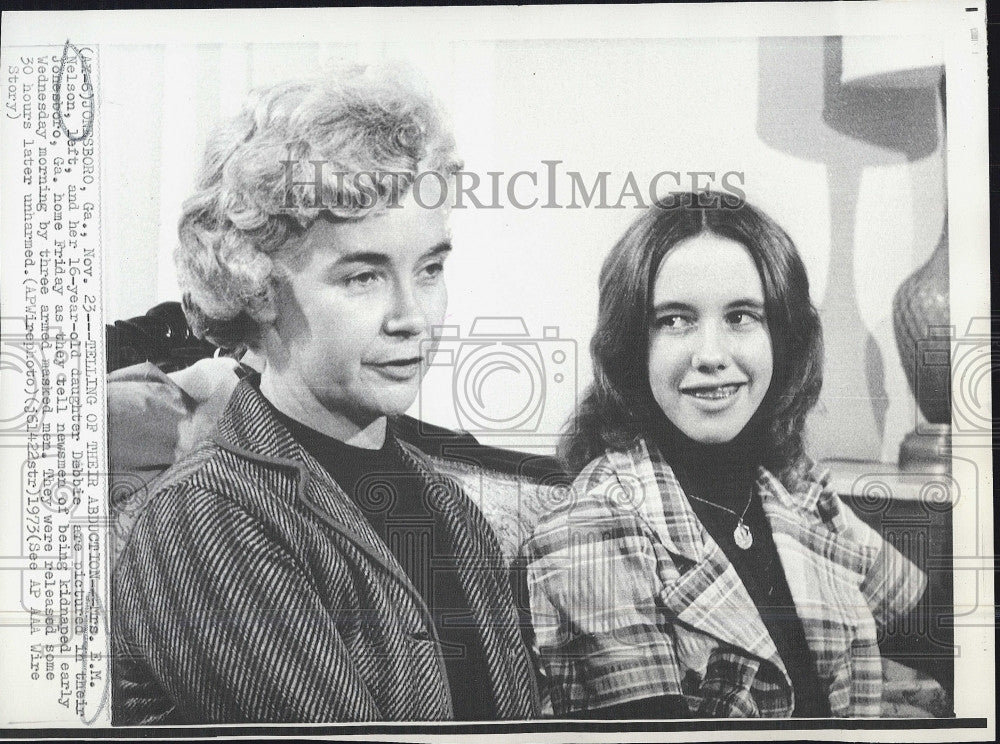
column 671, row 306
column 747, row 302
column 677, row 306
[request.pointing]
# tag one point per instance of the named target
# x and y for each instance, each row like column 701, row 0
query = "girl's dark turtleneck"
column 721, row 473
column 725, row 474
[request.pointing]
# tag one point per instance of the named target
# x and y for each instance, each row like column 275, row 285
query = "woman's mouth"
column 398, row 369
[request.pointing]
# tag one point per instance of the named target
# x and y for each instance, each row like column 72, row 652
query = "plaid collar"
column 709, row 595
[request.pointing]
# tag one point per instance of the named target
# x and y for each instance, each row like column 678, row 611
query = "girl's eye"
column 743, row 318
column 674, row 322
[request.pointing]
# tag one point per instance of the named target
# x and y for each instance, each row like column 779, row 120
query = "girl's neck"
column 679, row 449
column 722, row 472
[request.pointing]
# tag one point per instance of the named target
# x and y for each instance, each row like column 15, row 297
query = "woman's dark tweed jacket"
column 253, row 589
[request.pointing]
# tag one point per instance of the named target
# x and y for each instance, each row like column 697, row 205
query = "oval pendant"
column 742, row 536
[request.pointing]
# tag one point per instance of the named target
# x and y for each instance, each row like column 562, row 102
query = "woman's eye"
column 362, row 279
column 435, row 269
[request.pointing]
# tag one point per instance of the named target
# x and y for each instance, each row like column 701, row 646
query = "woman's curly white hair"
column 255, row 189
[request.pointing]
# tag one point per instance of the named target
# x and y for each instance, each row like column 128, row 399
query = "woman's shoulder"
column 205, row 486
column 164, row 491
column 206, row 470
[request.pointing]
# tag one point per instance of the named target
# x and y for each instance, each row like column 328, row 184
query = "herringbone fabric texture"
column 252, row 589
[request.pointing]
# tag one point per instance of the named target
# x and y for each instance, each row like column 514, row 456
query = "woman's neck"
column 295, row 400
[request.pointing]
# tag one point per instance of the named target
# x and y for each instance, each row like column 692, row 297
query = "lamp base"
column 927, row 450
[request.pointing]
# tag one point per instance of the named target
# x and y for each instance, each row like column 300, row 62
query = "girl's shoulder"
column 612, row 486
column 595, row 472
column 810, row 509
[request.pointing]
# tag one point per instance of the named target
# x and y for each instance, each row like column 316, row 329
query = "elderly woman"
column 304, row 564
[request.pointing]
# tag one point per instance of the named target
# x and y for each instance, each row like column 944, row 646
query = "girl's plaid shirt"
column 631, row 598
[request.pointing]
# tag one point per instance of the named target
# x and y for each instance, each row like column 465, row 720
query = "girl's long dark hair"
column 619, row 405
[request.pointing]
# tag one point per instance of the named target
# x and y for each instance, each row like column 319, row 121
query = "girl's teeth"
column 720, row 392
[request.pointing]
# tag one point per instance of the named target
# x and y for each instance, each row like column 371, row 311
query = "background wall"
column 855, row 177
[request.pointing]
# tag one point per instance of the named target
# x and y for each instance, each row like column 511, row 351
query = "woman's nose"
column 710, row 353
column 405, row 315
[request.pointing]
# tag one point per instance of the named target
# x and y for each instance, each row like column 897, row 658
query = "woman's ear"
column 278, row 315
column 262, row 308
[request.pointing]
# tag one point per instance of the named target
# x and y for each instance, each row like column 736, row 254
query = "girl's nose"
column 710, row 354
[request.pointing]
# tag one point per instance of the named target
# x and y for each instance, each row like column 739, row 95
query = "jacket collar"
column 251, row 430
column 709, row 595
column 813, row 518
column 811, row 536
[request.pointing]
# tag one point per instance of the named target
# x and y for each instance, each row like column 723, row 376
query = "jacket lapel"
column 824, row 568
column 709, row 595
column 821, row 562
column 256, row 434
column 482, row 573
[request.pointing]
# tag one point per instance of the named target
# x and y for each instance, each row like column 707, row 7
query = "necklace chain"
column 742, row 535
column 724, row 508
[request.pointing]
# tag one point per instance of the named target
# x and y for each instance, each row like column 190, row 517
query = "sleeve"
column 603, row 637
column 227, row 622
column 892, row 585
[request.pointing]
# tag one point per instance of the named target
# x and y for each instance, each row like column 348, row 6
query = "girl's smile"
column 710, row 359
column 723, row 393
